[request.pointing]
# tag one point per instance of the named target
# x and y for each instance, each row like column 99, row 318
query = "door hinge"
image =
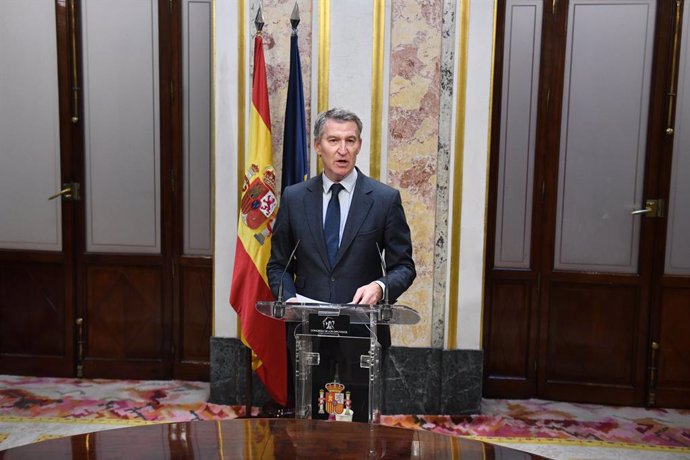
column 651, row 392
column 172, row 181
column 173, row 270
column 80, row 347
column 538, row 285
column 172, row 91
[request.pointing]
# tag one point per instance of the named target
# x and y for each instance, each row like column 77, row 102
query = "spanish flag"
column 265, row 336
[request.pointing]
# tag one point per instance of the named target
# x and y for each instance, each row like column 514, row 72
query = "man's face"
column 338, row 148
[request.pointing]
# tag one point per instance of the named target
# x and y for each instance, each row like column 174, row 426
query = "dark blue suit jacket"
column 376, row 216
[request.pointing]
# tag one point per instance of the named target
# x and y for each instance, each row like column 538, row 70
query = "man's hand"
column 369, row 294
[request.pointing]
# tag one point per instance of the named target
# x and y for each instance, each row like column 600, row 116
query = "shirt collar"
column 348, row 182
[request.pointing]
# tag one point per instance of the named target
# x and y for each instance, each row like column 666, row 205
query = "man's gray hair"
column 337, row 114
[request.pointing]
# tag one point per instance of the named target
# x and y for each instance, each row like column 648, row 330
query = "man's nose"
column 342, row 148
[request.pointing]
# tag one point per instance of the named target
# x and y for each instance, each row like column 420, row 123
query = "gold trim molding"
column 488, row 168
column 324, row 62
column 241, row 109
column 461, row 100
column 241, row 95
column 377, row 88
column 324, row 53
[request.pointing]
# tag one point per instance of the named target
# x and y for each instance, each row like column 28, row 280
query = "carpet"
column 100, row 400
column 536, row 421
column 33, row 409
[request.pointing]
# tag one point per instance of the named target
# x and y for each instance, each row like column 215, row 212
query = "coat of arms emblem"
column 336, row 400
column 259, row 202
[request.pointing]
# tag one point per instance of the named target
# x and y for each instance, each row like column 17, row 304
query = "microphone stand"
column 279, row 304
column 385, row 314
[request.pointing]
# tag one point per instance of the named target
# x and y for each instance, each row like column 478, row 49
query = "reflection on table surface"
column 263, row 439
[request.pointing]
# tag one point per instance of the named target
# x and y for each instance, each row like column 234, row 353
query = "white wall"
column 475, row 171
column 225, row 87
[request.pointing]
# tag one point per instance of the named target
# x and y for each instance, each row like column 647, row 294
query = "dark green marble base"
column 416, row 380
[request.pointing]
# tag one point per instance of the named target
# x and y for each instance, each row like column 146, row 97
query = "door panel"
column 196, row 152
column 592, row 334
column 672, row 385
column 125, row 314
column 122, row 127
column 29, row 128
column 674, row 367
column 509, row 361
column 196, row 316
column 517, row 138
column 603, row 135
column 37, row 293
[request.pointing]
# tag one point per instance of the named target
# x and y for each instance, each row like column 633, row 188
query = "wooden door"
column 36, row 159
column 570, row 282
column 669, row 356
column 117, row 282
column 145, row 260
column 124, row 265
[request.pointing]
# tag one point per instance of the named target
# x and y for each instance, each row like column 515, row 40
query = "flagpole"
column 248, row 358
column 295, row 144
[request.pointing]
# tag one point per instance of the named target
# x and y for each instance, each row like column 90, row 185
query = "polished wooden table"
column 262, row 439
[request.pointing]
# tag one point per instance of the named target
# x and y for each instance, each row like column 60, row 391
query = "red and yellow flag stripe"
column 265, row 336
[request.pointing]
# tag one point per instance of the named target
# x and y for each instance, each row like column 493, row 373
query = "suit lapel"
column 359, row 209
column 313, row 210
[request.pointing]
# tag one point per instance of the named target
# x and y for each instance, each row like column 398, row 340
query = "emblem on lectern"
column 335, row 399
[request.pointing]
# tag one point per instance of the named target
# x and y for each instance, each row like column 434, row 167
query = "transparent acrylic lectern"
column 327, row 325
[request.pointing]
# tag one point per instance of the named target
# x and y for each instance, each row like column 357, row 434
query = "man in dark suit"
column 337, row 260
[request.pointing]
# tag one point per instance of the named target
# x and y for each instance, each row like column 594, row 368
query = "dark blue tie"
column 331, row 227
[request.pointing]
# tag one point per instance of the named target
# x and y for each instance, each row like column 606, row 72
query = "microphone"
column 279, row 304
column 386, row 312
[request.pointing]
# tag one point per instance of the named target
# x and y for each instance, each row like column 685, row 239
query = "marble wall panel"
column 413, row 139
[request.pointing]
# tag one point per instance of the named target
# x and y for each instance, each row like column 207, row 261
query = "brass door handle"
column 652, row 208
column 70, row 191
column 641, row 211
column 67, row 192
